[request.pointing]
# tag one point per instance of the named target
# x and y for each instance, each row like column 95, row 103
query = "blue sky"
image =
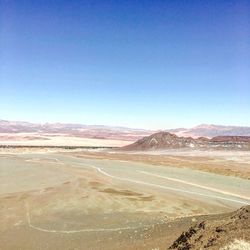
column 148, row 64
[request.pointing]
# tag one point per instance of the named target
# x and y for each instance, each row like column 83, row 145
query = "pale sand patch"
column 64, row 141
column 237, row 245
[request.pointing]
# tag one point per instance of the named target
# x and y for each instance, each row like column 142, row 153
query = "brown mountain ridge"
column 166, row 140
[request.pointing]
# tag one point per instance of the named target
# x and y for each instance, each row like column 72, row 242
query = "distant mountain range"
column 206, row 130
column 75, row 130
column 10, row 130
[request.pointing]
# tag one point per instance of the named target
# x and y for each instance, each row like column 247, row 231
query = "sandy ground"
column 28, row 139
column 230, row 163
column 59, row 200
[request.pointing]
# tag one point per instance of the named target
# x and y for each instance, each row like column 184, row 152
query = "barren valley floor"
column 58, row 200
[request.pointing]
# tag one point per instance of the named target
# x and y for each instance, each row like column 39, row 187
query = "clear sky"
column 148, row 64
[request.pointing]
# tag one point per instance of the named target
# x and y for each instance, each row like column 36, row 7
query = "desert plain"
column 108, row 199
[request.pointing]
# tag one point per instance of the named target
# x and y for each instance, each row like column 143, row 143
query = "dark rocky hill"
column 165, row 140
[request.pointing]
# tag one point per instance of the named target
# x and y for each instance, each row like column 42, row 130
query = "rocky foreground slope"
column 165, row 140
column 224, row 232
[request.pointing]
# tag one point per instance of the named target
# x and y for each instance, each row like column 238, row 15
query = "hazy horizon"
column 154, row 65
column 122, row 126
